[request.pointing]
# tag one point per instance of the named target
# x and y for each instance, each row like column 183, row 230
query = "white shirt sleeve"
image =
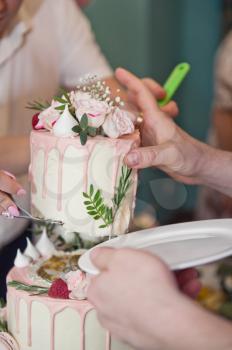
column 79, row 53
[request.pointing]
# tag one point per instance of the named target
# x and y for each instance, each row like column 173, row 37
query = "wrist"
column 189, row 326
column 215, row 169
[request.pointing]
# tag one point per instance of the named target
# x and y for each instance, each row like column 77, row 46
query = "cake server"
column 24, row 214
column 174, row 81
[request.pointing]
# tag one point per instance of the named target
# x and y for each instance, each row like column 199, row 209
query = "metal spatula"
column 24, row 214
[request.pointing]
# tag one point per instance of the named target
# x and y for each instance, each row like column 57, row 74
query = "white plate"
column 180, row 246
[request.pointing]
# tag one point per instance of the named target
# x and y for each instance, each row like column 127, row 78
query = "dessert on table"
column 78, row 178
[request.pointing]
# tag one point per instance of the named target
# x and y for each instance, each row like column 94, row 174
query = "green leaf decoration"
column 59, row 99
column 3, row 326
column 76, row 129
column 92, row 131
column 96, row 209
column 84, row 122
column 95, row 204
column 124, row 184
column 34, row 290
column 83, row 137
column 60, row 108
column 38, row 106
column 2, row 303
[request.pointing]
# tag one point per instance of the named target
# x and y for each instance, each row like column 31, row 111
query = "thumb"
column 165, row 155
column 101, row 257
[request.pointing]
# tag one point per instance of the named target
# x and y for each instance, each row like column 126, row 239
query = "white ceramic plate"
column 180, row 246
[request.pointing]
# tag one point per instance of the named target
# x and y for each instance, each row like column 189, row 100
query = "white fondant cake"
column 62, row 169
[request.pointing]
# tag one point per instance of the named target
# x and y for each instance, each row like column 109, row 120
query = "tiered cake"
column 77, row 177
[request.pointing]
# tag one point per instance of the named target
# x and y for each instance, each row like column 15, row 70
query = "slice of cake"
column 77, row 171
column 47, row 307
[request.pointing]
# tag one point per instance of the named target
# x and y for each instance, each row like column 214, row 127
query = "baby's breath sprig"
column 100, row 91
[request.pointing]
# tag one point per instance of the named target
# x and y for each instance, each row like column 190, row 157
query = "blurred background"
column 150, row 37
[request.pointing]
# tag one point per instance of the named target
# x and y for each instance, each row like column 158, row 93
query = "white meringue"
column 31, row 251
column 63, row 126
column 45, row 247
column 21, row 260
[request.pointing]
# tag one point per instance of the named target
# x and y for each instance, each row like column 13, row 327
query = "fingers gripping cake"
column 77, row 177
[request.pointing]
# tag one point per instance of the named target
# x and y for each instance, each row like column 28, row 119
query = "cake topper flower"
column 87, row 111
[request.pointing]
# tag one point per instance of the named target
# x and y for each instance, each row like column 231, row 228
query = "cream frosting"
column 21, row 260
column 31, row 251
column 45, row 247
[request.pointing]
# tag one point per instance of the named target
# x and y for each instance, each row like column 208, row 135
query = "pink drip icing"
column 90, row 149
column 17, row 301
column 108, row 341
column 60, row 179
column 44, row 187
column 29, row 305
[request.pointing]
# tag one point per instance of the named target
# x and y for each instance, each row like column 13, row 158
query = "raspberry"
column 35, row 120
column 59, row 290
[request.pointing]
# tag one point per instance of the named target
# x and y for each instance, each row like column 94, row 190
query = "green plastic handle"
column 174, row 81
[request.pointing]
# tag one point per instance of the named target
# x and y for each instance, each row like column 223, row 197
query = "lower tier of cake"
column 40, row 322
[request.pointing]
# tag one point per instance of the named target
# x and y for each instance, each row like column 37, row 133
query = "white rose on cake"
column 95, row 110
column 118, row 123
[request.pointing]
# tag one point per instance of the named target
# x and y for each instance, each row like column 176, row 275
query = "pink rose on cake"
column 48, row 117
column 118, row 123
column 80, row 293
column 95, row 110
column 73, row 278
column 77, row 283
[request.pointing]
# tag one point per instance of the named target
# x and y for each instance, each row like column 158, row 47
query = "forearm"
column 201, row 329
column 15, row 154
column 216, row 169
column 189, row 326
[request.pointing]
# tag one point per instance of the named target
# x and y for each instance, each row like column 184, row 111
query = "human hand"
column 9, row 186
column 165, row 145
column 135, row 296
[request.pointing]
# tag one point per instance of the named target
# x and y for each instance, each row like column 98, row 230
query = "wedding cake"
column 78, row 178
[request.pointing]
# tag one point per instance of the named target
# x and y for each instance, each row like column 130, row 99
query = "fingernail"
column 9, row 174
column 132, row 159
column 21, row 192
column 13, row 210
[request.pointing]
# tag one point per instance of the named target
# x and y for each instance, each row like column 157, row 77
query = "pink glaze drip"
column 90, row 149
column 29, row 305
column 108, row 341
column 17, row 301
column 60, row 179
